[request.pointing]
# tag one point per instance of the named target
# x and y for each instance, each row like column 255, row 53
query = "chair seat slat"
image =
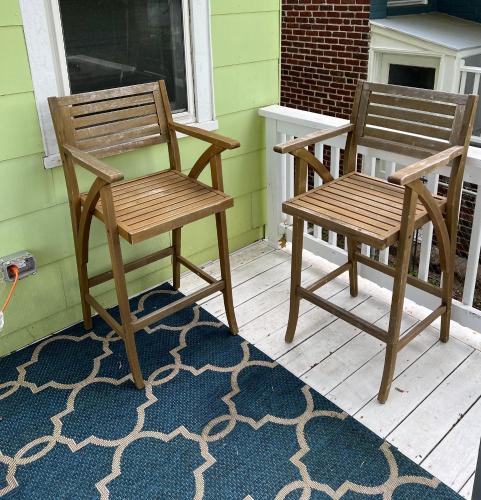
column 358, row 202
column 152, row 203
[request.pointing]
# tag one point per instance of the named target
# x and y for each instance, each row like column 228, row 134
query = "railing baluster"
column 427, row 234
column 368, row 168
column 476, row 83
column 463, row 89
column 306, row 225
column 335, row 159
column 283, row 173
column 319, row 153
column 474, row 251
column 289, row 179
column 390, row 169
column 462, row 84
column 274, row 184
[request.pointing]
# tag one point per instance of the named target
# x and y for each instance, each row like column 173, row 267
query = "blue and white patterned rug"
column 217, row 420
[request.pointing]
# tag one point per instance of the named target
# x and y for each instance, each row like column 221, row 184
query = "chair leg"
column 447, row 299
column 176, row 243
column 121, row 286
column 394, row 331
column 388, row 373
column 84, row 287
column 296, row 268
column 351, row 252
column 221, row 225
column 399, row 292
column 124, row 308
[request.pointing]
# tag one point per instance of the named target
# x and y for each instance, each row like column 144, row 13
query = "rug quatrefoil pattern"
column 217, row 420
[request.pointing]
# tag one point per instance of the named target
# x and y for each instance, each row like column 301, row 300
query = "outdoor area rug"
column 217, row 420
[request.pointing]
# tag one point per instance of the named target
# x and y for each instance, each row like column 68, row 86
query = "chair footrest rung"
column 196, row 270
column 110, row 320
column 328, row 277
column 412, row 280
column 132, row 266
column 162, row 313
column 420, row 327
column 348, row 316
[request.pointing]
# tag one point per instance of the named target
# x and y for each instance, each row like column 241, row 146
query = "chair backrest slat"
column 112, row 121
column 410, row 121
column 408, row 126
column 128, row 123
column 412, row 116
column 113, row 116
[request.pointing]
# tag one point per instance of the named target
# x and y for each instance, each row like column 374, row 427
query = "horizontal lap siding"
column 34, row 214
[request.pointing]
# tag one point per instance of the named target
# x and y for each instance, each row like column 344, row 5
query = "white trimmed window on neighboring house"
column 405, row 3
column 90, row 45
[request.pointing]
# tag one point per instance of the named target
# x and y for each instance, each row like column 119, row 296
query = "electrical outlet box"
column 25, row 262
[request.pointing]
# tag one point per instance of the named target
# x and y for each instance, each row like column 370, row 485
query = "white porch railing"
column 470, row 84
column 285, row 123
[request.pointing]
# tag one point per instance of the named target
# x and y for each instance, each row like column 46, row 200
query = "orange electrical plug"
column 14, row 270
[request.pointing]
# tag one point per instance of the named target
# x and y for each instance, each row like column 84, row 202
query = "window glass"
column 412, row 76
column 114, row 43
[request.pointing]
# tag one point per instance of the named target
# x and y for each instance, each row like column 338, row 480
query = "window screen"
column 114, row 43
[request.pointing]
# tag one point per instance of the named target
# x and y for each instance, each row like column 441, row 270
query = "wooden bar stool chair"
column 94, row 125
column 433, row 126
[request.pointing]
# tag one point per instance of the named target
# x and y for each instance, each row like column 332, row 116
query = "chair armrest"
column 204, row 135
column 313, row 138
column 417, row 170
column 94, row 165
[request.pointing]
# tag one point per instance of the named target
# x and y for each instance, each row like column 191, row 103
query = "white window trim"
column 46, row 52
column 405, row 3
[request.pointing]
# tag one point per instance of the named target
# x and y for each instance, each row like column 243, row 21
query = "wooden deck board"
column 363, row 385
column 414, row 385
column 311, row 320
column 467, row 490
column 260, row 305
column 332, row 371
column 309, row 353
column 454, row 459
column 430, row 422
column 434, row 409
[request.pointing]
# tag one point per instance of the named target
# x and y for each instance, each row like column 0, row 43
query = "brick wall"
column 325, row 49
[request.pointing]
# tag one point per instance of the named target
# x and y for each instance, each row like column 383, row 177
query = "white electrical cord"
column 2, row 321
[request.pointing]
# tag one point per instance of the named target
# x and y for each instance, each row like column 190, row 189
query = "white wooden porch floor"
column 433, row 414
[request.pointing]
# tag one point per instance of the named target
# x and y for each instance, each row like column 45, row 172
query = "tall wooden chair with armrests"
column 94, row 125
column 433, row 126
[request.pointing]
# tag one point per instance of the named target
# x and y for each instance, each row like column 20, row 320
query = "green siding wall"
column 34, row 214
